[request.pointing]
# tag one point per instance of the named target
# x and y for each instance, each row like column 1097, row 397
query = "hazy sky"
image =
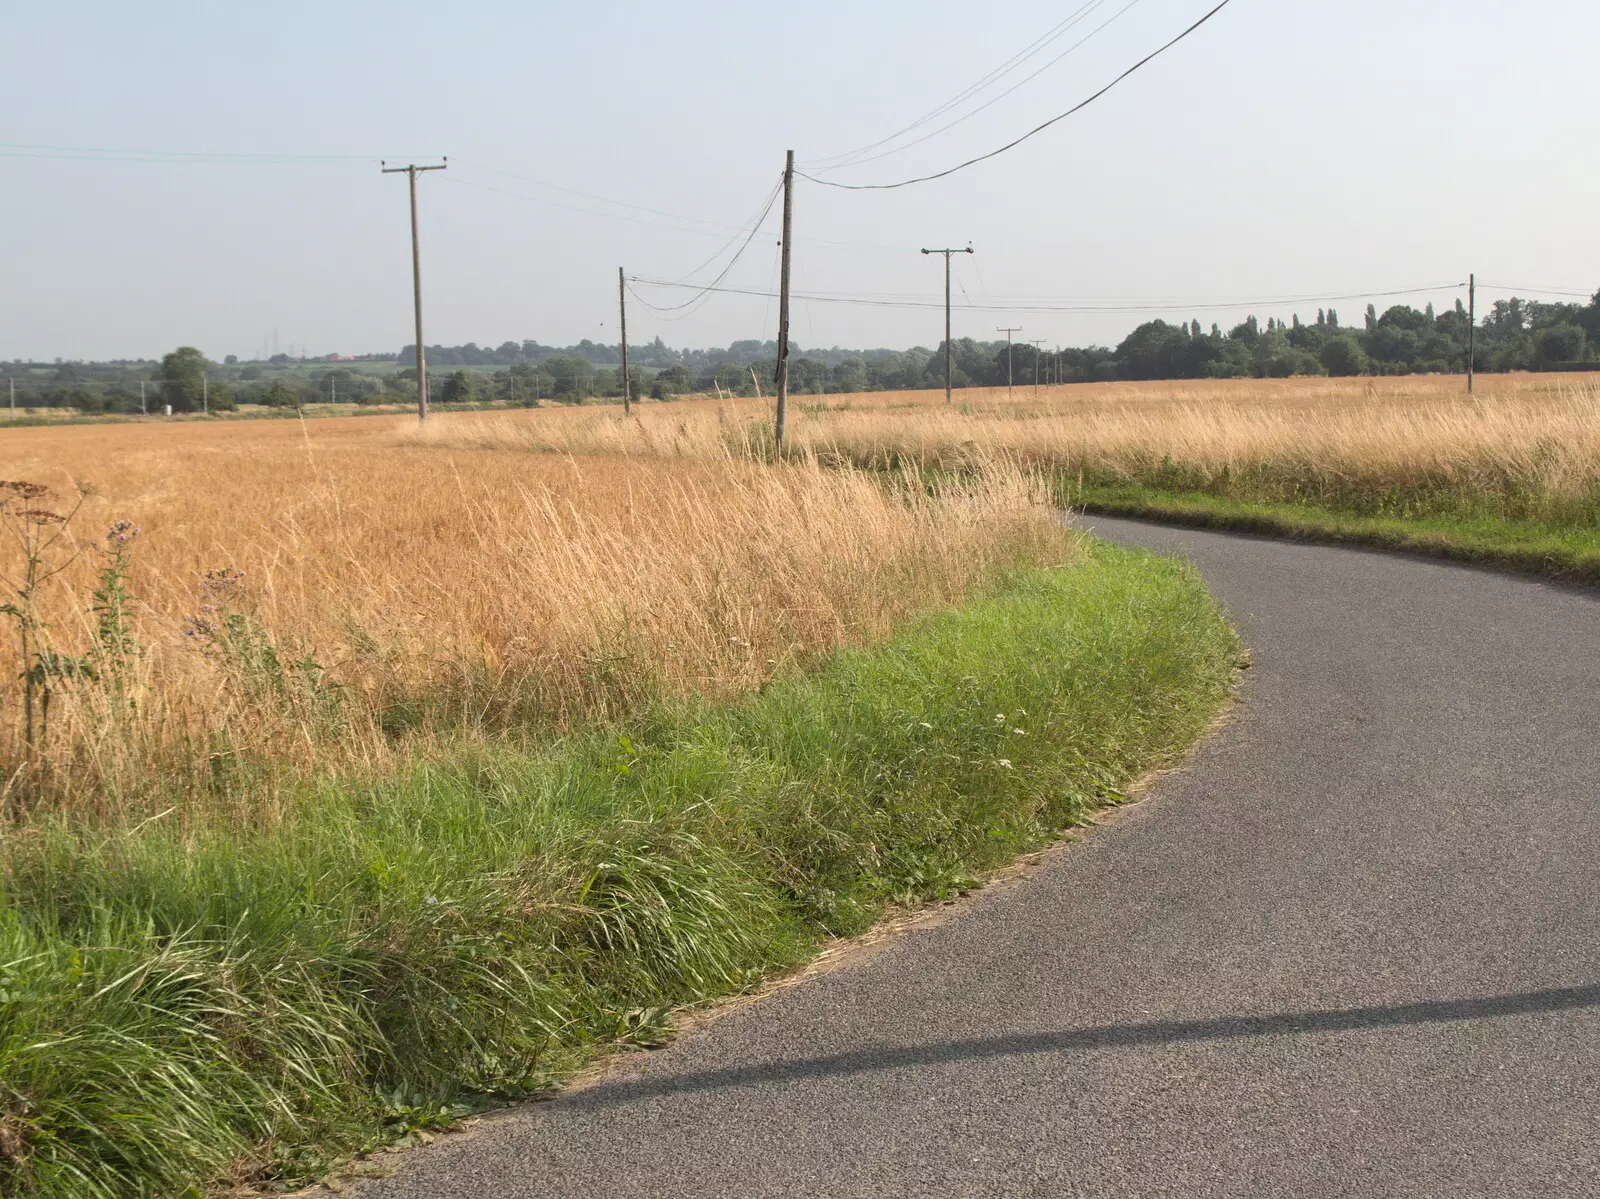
column 1288, row 148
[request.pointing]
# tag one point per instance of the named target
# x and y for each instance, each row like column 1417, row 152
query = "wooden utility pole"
column 13, row 383
column 781, row 375
column 1472, row 325
column 1008, row 333
column 205, row 393
column 948, row 364
column 1036, row 344
column 144, row 409
column 411, row 172
column 622, row 304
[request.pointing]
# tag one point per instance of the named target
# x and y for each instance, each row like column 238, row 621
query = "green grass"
column 189, row 1006
column 1564, row 549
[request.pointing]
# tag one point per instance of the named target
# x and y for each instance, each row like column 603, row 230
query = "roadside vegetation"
column 1509, row 475
column 309, row 597
column 357, row 778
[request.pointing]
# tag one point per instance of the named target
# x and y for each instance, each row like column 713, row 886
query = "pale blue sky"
column 1288, row 148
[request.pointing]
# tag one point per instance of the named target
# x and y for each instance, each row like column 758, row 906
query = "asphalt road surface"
column 1353, row 949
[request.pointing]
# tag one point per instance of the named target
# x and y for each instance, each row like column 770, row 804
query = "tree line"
column 1514, row 335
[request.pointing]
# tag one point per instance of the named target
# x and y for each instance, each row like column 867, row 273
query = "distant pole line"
column 411, row 172
column 1009, row 379
column 948, row 360
column 1036, row 343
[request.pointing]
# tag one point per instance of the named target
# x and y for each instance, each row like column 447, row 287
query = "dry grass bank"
column 370, row 589
column 1523, row 445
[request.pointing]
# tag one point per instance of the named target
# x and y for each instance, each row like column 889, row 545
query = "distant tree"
column 1403, row 316
column 457, row 389
column 572, row 377
column 674, row 380
column 1559, row 343
column 1154, row 350
column 182, row 378
column 231, row 360
column 1392, row 344
column 1589, row 319
column 1344, row 356
column 279, row 394
column 1507, row 318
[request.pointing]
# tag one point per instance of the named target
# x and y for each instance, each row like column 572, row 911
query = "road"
column 1352, row 949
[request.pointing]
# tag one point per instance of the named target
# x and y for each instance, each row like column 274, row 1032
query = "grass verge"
column 224, row 1006
column 1554, row 550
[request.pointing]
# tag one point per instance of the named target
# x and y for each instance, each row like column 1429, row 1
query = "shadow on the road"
column 1110, row 1036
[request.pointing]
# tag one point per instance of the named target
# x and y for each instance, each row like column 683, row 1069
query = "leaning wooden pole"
column 622, row 305
column 782, row 374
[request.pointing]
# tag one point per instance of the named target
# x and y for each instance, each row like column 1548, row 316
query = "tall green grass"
column 195, row 1007
column 1563, row 548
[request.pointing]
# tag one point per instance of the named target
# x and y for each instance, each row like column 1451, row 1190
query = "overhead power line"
column 614, row 216
column 1005, row 68
column 721, row 226
column 703, row 291
column 712, row 228
column 1037, row 129
column 1132, row 306
column 747, row 230
column 993, row 100
column 106, row 154
column 1582, row 293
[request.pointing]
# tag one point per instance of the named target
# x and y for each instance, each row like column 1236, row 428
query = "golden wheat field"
column 1541, row 432
column 340, row 592
column 343, row 590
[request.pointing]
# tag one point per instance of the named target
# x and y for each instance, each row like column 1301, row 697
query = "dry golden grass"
column 401, row 588
column 498, row 572
column 1347, row 441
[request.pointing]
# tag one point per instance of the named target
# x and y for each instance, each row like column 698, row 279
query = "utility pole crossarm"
column 948, row 361
column 411, row 172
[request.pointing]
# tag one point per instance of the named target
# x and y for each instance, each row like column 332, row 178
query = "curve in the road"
column 1353, row 949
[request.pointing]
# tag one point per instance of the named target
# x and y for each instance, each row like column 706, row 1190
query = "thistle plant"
column 114, row 642
column 37, row 531
column 227, row 629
